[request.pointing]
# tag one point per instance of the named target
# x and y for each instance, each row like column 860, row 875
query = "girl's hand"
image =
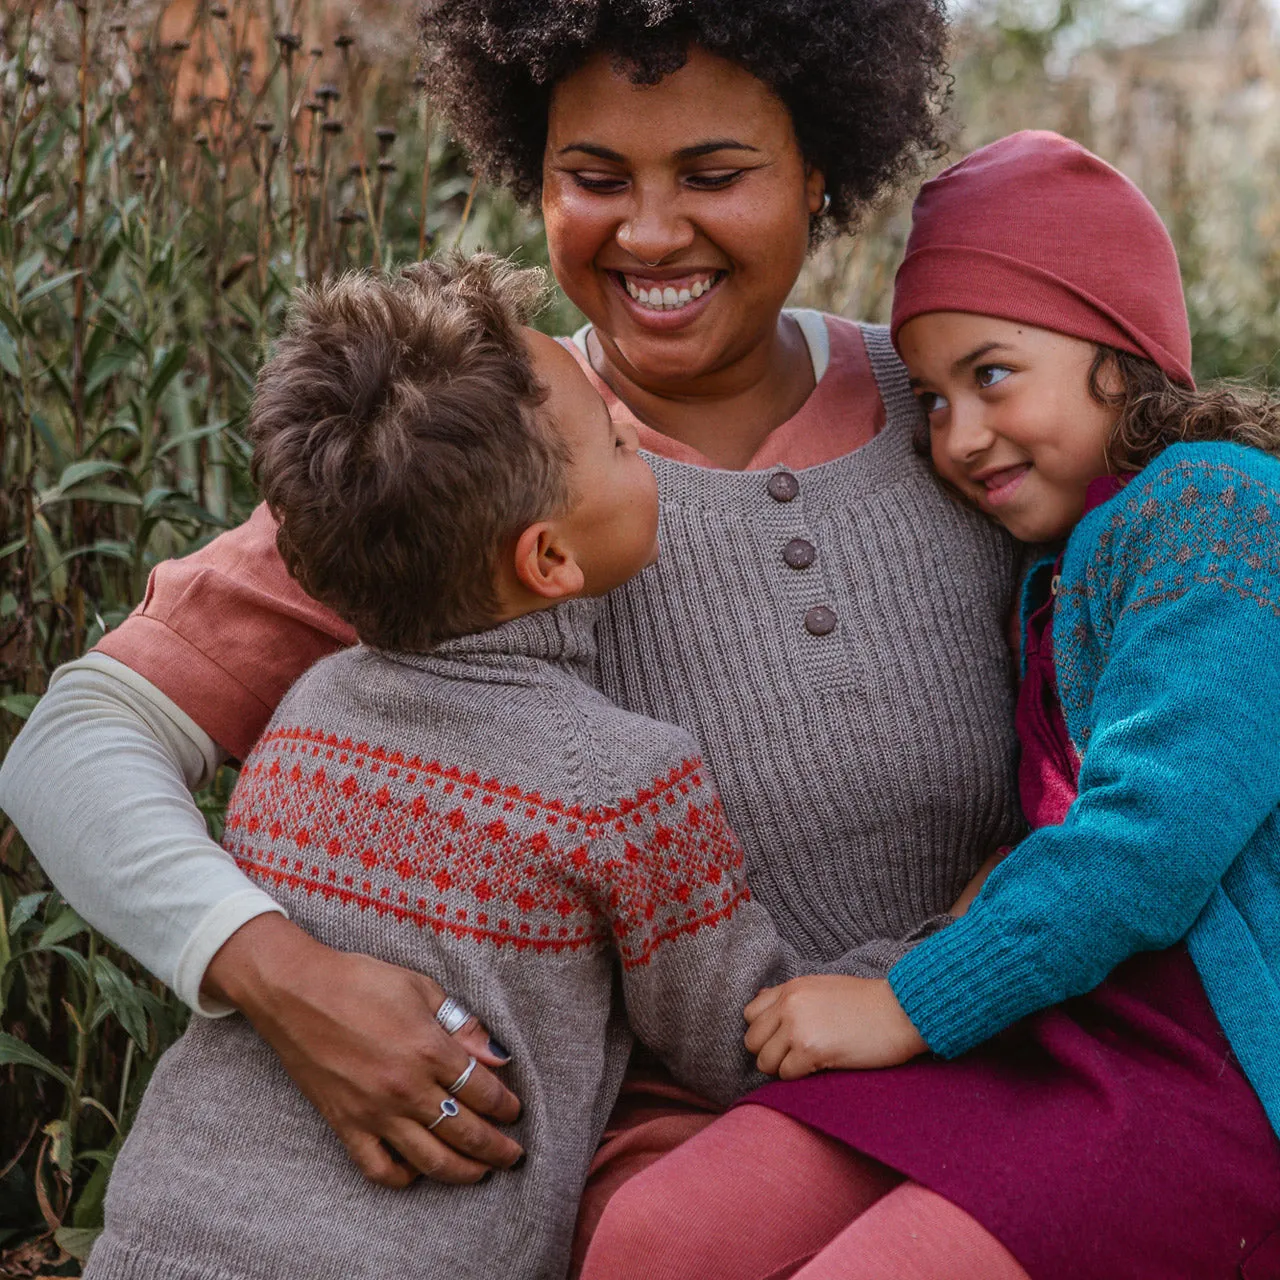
column 823, row 1022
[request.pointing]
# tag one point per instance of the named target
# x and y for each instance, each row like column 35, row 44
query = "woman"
column 822, row 617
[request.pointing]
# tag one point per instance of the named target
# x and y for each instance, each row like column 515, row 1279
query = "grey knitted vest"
column 857, row 708
column 482, row 815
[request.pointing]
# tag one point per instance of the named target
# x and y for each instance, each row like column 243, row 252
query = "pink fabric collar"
column 843, row 412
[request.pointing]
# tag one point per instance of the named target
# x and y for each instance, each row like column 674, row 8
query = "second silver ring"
column 464, row 1077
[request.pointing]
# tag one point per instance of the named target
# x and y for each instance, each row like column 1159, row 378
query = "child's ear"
column 545, row 564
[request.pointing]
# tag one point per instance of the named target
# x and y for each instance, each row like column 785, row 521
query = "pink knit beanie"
column 1035, row 228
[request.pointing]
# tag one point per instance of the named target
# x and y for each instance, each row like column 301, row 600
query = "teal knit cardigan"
column 1167, row 647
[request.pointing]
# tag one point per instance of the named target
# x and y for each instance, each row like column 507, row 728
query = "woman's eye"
column 602, row 183
column 715, row 179
column 931, row 402
column 989, row 374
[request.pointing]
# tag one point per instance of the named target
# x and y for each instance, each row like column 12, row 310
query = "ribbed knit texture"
column 867, row 771
column 483, row 816
column 1167, row 644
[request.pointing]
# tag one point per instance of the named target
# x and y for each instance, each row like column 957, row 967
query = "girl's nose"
column 968, row 434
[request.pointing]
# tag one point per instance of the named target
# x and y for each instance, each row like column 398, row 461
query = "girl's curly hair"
column 1156, row 412
column 864, row 80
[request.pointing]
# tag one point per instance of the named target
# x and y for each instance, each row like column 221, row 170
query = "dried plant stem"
column 426, row 180
column 466, row 211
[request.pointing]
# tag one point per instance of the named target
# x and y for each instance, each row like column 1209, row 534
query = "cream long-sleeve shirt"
column 99, row 782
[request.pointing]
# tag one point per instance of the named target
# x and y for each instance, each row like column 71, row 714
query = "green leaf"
column 65, row 925
column 106, row 367
column 27, row 268
column 188, row 437
column 122, row 997
column 24, row 910
column 48, row 287
column 10, row 547
column 167, row 368
column 78, row 472
column 77, row 1241
column 92, row 493
column 9, row 353
column 19, row 704
column 19, row 1052
column 74, row 959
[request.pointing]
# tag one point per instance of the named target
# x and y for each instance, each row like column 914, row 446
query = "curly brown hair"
column 864, row 80
column 1156, row 412
column 397, row 441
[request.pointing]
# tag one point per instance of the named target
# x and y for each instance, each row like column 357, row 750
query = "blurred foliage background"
column 169, row 171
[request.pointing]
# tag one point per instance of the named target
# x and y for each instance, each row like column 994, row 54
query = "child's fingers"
column 766, row 997
column 795, row 1064
column 762, row 1029
column 772, row 1053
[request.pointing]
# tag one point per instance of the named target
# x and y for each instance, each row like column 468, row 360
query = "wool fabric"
column 867, row 770
column 482, row 815
column 1167, row 615
column 1012, row 231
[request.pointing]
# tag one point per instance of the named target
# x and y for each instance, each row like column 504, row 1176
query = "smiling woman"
column 686, row 153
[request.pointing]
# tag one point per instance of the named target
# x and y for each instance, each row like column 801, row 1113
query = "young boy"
column 450, row 796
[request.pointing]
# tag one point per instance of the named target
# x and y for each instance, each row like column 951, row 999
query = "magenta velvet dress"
column 1113, row 1137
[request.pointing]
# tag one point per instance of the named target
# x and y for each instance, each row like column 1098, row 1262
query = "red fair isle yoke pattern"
column 438, row 848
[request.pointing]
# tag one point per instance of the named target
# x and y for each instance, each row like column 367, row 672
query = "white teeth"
column 668, row 297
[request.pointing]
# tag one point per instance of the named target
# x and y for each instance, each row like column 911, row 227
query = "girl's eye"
column 989, row 374
column 931, row 402
column 715, row 179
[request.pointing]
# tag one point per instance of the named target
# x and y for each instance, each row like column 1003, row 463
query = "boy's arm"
column 1181, row 769
column 667, row 872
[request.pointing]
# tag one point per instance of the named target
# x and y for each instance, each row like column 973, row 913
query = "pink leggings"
column 759, row 1196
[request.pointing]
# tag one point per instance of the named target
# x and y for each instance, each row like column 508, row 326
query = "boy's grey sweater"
column 482, row 815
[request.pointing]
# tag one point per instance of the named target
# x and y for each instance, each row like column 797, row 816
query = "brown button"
column 783, row 486
column 820, row 621
column 799, row 554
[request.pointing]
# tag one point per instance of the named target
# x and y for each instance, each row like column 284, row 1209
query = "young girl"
column 1130, row 1131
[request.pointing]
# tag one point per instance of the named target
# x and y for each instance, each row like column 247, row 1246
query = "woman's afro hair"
column 863, row 79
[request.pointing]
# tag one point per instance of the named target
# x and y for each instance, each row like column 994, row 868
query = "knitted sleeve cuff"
column 963, row 984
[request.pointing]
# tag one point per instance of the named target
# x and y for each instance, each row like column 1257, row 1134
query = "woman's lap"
column 757, row 1196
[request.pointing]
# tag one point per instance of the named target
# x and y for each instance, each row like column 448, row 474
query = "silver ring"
column 448, row 1109
column 825, row 206
column 464, row 1077
column 452, row 1016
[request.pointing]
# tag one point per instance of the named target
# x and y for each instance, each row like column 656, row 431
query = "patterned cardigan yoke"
column 1167, row 644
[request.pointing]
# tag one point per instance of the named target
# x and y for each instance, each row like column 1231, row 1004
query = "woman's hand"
column 359, row 1038
column 823, row 1022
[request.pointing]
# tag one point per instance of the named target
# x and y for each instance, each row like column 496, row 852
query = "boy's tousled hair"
column 396, row 441
column 1155, row 411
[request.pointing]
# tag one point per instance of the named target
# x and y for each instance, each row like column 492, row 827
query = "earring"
column 825, row 207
